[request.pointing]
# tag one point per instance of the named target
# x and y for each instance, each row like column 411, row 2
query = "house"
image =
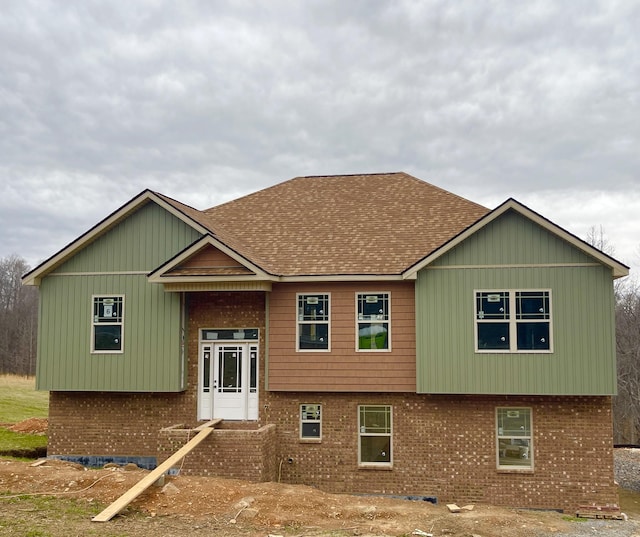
column 357, row 333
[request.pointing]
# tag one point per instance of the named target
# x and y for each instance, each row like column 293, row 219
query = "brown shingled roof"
column 341, row 224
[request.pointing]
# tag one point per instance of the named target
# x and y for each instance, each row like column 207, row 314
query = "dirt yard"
column 199, row 506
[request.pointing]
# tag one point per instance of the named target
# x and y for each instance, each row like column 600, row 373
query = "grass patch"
column 46, row 516
column 19, row 399
column 22, row 445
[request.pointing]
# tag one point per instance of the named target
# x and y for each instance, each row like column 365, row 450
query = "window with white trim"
column 374, row 435
column 372, row 319
column 514, row 438
column 513, row 321
column 313, row 322
column 107, row 324
column 310, row 422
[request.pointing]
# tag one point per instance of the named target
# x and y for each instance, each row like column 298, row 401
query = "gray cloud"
column 208, row 101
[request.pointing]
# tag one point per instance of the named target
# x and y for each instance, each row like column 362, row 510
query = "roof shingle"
column 341, row 224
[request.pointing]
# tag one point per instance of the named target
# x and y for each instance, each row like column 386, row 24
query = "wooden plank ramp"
column 117, row 506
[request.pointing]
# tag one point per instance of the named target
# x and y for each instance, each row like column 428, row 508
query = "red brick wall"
column 224, row 310
column 235, row 453
column 108, row 424
column 444, row 446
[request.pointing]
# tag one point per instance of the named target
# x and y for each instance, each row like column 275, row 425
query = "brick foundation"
column 444, row 446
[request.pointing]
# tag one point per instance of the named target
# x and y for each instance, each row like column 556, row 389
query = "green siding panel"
column 583, row 357
column 152, row 359
column 512, row 239
column 143, row 241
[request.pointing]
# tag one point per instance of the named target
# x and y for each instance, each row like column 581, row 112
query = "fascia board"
column 342, row 278
column 159, row 275
column 35, row 276
column 618, row 269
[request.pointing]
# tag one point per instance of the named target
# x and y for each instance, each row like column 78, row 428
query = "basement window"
column 107, row 324
column 513, row 321
column 514, row 440
column 313, row 322
column 311, row 422
column 374, row 431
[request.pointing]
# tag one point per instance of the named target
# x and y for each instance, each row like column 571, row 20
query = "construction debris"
column 453, row 508
column 600, row 511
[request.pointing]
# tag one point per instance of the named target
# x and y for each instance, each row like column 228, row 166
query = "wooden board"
column 151, row 477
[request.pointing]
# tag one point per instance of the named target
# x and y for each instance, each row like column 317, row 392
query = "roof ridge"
column 347, row 175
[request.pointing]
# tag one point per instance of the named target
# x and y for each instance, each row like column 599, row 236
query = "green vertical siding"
column 142, row 241
column 583, row 357
column 152, row 358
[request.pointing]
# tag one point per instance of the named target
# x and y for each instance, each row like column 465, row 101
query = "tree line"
column 19, row 319
column 626, row 405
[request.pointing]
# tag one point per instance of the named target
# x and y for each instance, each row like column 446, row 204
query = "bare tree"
column 626, row 405
column 18, row 319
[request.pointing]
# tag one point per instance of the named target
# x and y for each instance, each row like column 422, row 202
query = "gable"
column 512, row 252
column 210, row 261
column 513, row 240
column 139, row 242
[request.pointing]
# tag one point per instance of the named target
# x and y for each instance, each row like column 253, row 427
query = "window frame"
column 530, row 455
column 303, row 420
column 512, row 320
column 360, row 320
column 300, row 321
column 95, row 323
column 362, row 433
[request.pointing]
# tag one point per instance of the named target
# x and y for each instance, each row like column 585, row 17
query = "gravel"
column 627, row 468
column 627, row 474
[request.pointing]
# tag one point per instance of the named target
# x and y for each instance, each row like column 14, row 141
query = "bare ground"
column 199, row 506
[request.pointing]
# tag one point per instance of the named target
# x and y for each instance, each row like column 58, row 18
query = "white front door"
column 228, row 383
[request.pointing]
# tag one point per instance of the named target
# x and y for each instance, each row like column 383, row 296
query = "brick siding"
column 240, row 453
column 444, row 446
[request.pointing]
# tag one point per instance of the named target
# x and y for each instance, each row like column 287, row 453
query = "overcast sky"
column 207, row 101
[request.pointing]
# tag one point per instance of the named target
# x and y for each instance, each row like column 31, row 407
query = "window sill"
column 365, row 466
column 310, row 440
column 514, row 470
column 503, row 351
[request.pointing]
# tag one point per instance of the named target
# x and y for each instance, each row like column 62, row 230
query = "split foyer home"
column 357, row 333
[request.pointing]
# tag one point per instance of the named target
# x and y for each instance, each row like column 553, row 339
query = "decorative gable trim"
column 35, row 276
column 177, row 269
column 618, row 269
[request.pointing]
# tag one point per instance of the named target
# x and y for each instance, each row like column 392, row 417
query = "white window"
column 107, row 324
column 310, row 422
column 313, row 322
column 374, row 432
column 514, row 438
column 513, row 321
column 372, row 320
